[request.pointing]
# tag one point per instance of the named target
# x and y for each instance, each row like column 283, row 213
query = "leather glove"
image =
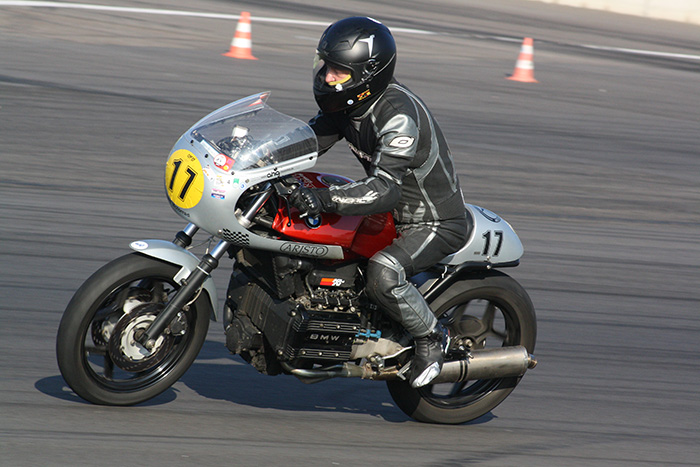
column 307, row 201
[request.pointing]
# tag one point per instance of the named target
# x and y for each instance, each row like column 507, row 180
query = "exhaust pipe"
column 501, row 362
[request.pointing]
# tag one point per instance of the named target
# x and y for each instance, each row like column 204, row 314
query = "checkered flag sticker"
column 235, row 238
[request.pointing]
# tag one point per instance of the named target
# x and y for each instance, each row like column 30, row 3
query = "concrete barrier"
column 687, row 11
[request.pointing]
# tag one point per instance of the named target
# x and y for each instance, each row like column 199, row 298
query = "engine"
column 294, row 311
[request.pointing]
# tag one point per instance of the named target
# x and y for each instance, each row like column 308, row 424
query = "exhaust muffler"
column 501, row 362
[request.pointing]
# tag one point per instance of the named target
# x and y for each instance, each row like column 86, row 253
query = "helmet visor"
column 331, row 74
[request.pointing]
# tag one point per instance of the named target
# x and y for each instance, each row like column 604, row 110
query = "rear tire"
column 492, row 310
column 96, row 352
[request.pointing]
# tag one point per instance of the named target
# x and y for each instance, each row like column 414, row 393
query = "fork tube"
column 246, row 219
column 184, row 237
column 193, row 282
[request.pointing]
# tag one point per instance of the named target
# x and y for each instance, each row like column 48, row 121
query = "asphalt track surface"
column 596, row 166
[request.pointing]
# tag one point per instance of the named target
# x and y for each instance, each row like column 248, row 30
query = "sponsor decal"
column 402, row 142
column 304, row 250
column 139, row 245
column 366, row 199
column 208, row 173
column 223, row 162
column 274, row 173
column 363, row 95
column 178, row 210
column 332, row 282
column 238, row 184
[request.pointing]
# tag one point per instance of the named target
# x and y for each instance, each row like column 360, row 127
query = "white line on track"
column 262, row 19
column 643, row 52
column 196, row 14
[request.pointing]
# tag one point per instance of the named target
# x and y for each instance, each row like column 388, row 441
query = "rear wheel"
column 96, row 348
column 486, row 312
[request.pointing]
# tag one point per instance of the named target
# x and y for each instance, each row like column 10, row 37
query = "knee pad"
column 384, row 274
column 387, row 287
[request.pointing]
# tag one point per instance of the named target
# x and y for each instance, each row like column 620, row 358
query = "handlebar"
column 286, row 185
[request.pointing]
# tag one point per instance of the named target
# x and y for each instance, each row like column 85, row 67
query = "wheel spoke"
column 457, row 388
column 489, row 320
column 108, row 367
column 489, row 315
column 454, row 316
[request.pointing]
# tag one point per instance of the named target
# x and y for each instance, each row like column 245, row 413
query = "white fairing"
column 492, row 241
column 241, row 145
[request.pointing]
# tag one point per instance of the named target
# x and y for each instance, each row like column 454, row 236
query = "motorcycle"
column 295, row 303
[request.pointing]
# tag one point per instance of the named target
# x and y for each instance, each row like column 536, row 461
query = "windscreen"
column 253, row 134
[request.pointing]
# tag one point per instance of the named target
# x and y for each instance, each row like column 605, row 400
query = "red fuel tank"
column 358, row 235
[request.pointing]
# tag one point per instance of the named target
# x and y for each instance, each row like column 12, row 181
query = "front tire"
column 492, row 310
column 95, row 346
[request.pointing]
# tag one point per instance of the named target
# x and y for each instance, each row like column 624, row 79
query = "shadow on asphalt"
column 233, row 380
column 55, row 386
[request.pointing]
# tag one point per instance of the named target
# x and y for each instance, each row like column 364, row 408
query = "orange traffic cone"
column 524, row 67
column 241, row 43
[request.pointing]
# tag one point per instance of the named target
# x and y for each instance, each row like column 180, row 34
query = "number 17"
column 487, row 242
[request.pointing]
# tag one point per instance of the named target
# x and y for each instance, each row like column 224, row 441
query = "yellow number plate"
column 184, row 180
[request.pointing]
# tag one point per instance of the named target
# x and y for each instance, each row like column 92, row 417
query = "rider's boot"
column 428, row 356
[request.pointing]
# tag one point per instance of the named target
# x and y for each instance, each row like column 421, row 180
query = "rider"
column 409, row 171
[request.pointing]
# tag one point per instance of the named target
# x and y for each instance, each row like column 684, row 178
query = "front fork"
column 190, row 286
column 195, row 280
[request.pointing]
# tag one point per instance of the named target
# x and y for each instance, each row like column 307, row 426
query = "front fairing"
column 249, row 134
column 240, row 146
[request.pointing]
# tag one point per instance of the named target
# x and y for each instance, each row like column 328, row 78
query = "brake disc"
column 106, row 319
column 102, row 329
column 126, row 352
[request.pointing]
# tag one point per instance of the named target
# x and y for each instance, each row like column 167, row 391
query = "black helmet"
column 365, row 48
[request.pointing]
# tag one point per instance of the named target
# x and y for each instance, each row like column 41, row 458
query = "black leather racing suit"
column 410, row 172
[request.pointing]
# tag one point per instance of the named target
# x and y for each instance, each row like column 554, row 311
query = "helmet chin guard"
column 366, row 49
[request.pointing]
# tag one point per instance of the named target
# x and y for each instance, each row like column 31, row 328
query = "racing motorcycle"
column 295, row 302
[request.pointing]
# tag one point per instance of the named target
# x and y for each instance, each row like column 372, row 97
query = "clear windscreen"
column 253, row 134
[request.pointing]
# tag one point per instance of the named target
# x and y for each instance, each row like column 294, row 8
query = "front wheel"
column 483, row 312
column 96, row 348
